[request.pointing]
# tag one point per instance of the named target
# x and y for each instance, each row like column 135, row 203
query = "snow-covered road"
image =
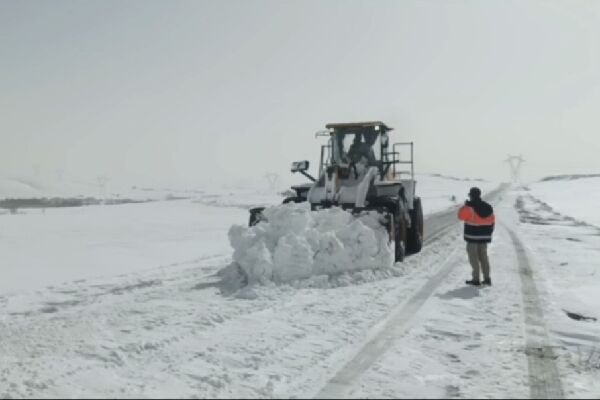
column 368, row 374
column 418, row 332
column 452, row 340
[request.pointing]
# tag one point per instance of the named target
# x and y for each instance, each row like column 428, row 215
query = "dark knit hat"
column 475, row 192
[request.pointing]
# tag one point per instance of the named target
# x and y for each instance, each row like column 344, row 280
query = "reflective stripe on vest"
column 478, row 237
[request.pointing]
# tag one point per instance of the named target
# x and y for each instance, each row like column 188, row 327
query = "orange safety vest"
column 478, row 229
column 469, row 216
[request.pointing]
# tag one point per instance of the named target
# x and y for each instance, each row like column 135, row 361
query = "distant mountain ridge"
column 454, row 178
column 568, row 177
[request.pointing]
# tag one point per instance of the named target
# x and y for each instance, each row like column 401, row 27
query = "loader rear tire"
column 415, row 233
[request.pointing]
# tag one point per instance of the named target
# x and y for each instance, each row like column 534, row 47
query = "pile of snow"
column 296, row 243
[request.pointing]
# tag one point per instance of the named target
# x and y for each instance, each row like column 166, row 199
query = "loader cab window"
column 358, row 147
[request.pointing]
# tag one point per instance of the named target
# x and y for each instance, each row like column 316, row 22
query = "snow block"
column 298, row 244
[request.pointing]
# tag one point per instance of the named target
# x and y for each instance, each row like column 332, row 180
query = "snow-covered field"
column 127, row 301
column 577, row 198
column 65, row 244
column 443, row 192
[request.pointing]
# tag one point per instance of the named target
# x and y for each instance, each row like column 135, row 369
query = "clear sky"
column 188, row 92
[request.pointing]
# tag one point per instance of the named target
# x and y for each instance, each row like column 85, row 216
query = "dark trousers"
column 478, row 258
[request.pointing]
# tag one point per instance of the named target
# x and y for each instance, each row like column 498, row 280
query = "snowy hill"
column 21, row 187
column 577, row 197
column 569, row 177
column 438, row 190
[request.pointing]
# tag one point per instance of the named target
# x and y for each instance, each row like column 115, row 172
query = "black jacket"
column 479, row 220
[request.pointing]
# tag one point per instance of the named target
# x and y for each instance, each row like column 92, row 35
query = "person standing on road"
column 479, row 220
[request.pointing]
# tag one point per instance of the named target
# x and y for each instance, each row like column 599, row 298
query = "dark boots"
column 487, row 282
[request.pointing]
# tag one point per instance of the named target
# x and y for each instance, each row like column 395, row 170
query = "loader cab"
column 352, row 144
column 356, row 148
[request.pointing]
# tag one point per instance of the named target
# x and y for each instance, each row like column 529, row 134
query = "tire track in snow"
column 400, row 318
column 544, row 379
column 399, row 321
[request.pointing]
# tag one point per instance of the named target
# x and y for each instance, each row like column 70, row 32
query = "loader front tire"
column 399, row 238
column 415, row 233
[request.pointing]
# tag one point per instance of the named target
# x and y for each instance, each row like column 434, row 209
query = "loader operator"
column 479, row 220
column 362, row 152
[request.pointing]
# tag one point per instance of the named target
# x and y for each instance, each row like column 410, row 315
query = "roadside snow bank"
column 297, row 244
column 577, row 198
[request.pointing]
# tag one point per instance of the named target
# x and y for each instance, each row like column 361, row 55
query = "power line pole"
column 273, row 180
column 515, row 163
column 102, row 181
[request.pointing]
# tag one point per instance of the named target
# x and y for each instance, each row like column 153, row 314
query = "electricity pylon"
column 273, row 180
column 515, row 163
column 102, row 181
